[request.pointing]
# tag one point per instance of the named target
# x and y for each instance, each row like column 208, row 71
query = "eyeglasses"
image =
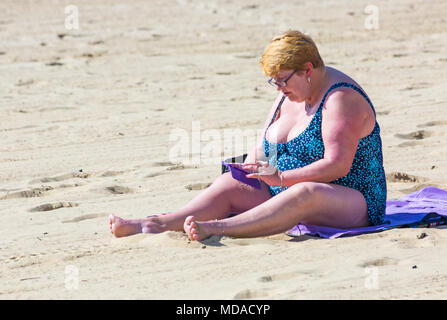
column 280, row 83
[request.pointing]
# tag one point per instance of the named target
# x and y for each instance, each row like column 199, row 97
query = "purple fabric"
column 424, row 206
column 241, row 175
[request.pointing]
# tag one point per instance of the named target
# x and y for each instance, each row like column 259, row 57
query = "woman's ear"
column 309, row 69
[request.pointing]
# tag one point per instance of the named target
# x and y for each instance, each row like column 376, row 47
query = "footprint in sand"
column 120, row 190
column 34, row 192
column 96, row 42
column 410, row 144
column 281, row 276
column 196, row 78
column 163, row 164
column 416, row 135
column 385, row 261
column 22, row 83
column 432, row 124
column 54, row 206
column 70, row 185
column 81, row 175
column 54, row 64
column 112, row 173
column 198, row 186
column 86, row 217
column 420, row 85
column 250, row 6
column 179, row 166
column 170, row 167
column 155, row 174
column 403, row 177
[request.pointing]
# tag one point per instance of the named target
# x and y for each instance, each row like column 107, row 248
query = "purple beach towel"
column 424, row 208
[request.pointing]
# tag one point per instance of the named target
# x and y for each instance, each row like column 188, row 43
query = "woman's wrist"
column 280, row 178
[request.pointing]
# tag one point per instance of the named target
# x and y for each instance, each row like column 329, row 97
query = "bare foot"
column 195, row 230
column 122, row 228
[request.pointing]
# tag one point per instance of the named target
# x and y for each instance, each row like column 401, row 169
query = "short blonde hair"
column 290, row 51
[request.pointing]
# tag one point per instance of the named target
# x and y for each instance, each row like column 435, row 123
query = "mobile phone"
column 241, row 175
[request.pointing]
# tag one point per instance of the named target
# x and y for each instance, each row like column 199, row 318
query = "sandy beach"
column 94, row 110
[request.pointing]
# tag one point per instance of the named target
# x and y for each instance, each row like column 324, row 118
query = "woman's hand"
column 263, row 171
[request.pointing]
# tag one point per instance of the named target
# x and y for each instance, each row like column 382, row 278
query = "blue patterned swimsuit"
column 366, row 175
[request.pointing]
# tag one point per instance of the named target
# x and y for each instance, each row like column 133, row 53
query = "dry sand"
column 86, row 120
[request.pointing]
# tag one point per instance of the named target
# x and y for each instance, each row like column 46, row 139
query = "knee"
column 306, row 191
column 225, row 182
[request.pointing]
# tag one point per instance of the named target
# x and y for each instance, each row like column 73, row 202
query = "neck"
column 316, row 83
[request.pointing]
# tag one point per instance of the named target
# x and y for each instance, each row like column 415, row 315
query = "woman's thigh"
column 335, row 206
column 241, row 196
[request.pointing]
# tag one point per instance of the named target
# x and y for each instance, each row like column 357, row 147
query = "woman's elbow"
column 341, row 169
column 345, row 171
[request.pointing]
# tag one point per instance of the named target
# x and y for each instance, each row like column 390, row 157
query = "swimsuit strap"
column 350, row 85
column 276, row 112
column 334, row 86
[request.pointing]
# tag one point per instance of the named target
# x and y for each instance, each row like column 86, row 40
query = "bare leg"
column 309, row 202
column 223, row 197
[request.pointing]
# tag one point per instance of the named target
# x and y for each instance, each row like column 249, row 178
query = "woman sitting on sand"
column 324, row 154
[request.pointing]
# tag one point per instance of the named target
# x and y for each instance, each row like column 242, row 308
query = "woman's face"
column 296, row 85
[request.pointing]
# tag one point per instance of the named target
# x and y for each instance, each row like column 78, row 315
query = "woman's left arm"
column 341, row 130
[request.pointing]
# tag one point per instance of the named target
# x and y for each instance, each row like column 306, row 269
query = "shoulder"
column 346, row 102
column 346, row 113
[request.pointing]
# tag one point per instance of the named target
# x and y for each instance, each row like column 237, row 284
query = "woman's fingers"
column 258, row 163
column 263, row 163
column 261, row 168
column 237, row 165
column 267, row 170
column 250, row 166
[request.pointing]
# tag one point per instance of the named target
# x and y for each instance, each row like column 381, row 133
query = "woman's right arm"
column 257, row 152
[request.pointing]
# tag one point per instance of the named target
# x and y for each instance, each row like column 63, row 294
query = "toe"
column 189, row 220
column 191, row 228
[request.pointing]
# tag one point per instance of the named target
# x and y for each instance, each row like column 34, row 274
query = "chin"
column 293, row 98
